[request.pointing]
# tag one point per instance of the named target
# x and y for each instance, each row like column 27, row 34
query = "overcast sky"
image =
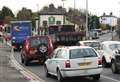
column 97, row 7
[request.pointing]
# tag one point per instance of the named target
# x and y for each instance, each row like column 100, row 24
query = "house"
column 108, row 19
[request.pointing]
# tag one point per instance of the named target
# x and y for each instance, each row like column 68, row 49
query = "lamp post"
column 87, row 32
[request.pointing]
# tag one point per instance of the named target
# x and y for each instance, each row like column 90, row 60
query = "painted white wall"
column 45, row 18
column 112, row 21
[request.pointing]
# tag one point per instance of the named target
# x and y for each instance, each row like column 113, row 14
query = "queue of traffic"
column 77, row 58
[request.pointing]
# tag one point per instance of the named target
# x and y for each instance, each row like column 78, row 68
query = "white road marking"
column 31, row 77
column 106, row 77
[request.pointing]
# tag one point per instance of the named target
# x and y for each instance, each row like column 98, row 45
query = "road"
column 106, row 76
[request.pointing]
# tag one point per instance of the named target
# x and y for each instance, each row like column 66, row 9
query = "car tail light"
column 50, row 47
column 27, row 46
column 67, row 64
column 99, row 61
column 32, row 50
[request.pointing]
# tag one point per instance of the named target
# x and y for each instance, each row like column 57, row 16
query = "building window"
column 45, row 23
column 58, row 22
column 51, row 20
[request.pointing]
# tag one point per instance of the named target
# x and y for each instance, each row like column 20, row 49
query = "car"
column 92, row 43
column 115, row 61
column 73, row 61
column 36, row 48
column 94, row 34
column 108, row 48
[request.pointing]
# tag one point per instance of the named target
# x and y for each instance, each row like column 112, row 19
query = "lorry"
column 65, row 35
column 20, row 30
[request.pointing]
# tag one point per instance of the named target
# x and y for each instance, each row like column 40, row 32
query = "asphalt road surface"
column 106, row 76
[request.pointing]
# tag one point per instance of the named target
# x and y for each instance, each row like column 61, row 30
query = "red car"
column 36, row 48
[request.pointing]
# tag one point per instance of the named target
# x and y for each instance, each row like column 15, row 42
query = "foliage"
column 6, row 13
column 93, row 22
column 104, row 26
column 24, row 14
column 118, row 27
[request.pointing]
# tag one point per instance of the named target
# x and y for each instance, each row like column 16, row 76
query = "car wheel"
column 22, row 60
column 46, row 71
column 26, row 62
column 104, row 63
column 96, row 77
column 59, row 76
column 113, row 67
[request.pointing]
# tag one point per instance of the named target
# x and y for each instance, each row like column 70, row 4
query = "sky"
column 96, row 7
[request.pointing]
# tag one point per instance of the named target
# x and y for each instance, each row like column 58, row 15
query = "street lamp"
column 87, row 32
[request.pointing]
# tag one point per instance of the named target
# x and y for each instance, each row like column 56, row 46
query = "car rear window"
column 82, row 53
column 93, row 44
column 114, row 46
column 37, row 41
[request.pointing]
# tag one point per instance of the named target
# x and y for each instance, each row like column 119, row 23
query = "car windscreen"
column 38, row 41
column 95, row 45
column 114, row 46
column 82, row 53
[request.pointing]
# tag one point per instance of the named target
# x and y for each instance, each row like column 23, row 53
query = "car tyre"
column 104, row 63
column 46, row 71
column 113, row 67
column 26, row 62
column 59, row 76
column 96, row 77
column 22, row 60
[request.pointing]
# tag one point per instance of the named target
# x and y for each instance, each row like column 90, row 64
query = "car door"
column 50, row 62
column 55, row 61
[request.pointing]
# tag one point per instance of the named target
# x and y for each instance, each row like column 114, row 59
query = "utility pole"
column 74, row 10
column 87, row 32
column 63, row 12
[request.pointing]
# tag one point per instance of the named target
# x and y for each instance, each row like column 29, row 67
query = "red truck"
column 64, row 35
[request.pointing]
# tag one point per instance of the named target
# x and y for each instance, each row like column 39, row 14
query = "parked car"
column 74, row 61
column 115, row 61
column 36, row 48
column 108, row 48
column 94, row 34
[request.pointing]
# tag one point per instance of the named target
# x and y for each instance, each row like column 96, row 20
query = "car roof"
column 110, row 42
column 88, row 41
column 74, row 47
column 38, row 36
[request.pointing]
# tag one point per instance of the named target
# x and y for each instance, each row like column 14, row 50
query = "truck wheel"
column 113, row 67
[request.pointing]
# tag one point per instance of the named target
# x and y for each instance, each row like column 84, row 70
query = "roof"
column 108, row 16
column 75, row 47
column 38, row 36
column 110, row 42
column 89, row 41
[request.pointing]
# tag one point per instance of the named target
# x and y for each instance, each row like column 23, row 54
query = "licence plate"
column 85, row 64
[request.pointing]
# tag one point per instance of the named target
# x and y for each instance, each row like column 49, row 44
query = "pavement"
column 7, row 72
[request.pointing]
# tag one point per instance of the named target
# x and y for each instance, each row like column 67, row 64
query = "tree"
column 6, row 12
column 93, row 22
column 24, row 14
column 118, row 27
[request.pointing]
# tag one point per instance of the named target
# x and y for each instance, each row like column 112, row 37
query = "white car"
column 92, row 43
column 74, row 61
column 108, row 48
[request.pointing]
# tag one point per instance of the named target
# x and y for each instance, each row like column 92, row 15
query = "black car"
column 115, row 62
